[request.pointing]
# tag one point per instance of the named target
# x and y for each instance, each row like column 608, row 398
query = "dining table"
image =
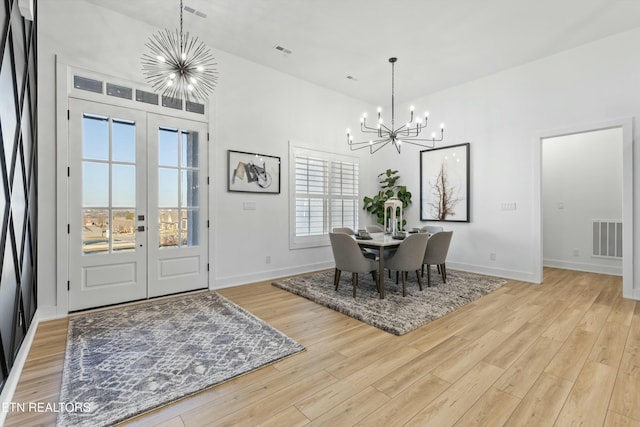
column 380, row 242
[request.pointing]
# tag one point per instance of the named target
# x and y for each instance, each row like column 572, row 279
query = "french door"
column 137, row 205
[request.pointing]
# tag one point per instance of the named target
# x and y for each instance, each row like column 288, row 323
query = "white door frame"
column 626, row 124
column 64, row 91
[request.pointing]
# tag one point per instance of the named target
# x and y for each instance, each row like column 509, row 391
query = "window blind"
column 326, row 195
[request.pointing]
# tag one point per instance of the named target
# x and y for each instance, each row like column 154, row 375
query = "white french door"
column 137, row 205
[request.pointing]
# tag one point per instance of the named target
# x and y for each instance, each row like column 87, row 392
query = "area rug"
column 126, row 361
column 395, row 314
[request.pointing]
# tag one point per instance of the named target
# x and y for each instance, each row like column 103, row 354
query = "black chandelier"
column 408, row 132
column 179, row 66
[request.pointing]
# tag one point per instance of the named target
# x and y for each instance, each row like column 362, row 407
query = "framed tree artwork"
column 253, row 173
column 444, row 184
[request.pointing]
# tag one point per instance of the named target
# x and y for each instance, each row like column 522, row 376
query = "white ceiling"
column 439, row 43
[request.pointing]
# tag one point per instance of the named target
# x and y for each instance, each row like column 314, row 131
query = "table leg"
column 381, row 272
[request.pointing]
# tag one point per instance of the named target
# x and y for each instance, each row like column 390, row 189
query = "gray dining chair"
column 374, row 228
column 436, row 254
column 344, row 230
column 433, row 229
column 348, row 257
column 409, row 257
column 349, row 231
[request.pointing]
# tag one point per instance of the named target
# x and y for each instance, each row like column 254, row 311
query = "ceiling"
column 439, row 43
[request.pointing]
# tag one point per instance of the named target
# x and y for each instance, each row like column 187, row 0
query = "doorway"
column 626, row 125
column 582, row 201
column 137, row 205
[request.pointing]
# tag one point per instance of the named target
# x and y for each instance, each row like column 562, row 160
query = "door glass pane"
column 123, row 236
column 123, row 190
column 124, row 141
column 95, row 137
column 189, row 190
column 167, row 188
column 95, row 231
column 189, row 149
column 95, row 184
column 168, row 147
column 169, row 225
column 189, row 232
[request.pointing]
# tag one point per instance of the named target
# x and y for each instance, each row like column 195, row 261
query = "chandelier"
column 179, row 66
column 408, row 133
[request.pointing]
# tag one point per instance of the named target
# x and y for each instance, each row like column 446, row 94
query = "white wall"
column 582, row 181
column 253, row 109
column 500, row 116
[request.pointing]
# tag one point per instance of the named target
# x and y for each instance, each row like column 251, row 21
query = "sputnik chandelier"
column 408, row 132
column 179, row 66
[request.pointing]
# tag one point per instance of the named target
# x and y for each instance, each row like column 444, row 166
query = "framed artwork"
column 253, row 173
column 444, row 184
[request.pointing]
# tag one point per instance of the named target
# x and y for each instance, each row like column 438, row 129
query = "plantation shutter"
column 326, row 195
column 311, row 196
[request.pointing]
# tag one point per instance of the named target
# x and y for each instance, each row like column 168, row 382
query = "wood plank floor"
column 566, row 352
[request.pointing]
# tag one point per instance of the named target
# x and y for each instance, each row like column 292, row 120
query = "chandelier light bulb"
column 426, row 114
column 441, row 125
column 170, row 83
column 379, row 109
column 348, row 131
column 411, row 108
column 200, row 68
column 364, row 114
column 433, row 135
column 160, row 58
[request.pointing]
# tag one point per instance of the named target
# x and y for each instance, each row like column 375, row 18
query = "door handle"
column 141, row 228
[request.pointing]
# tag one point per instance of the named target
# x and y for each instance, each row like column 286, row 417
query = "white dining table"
column 379, row 241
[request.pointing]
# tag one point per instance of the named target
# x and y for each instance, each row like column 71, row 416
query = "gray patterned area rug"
column 126, row 361
column 395, row 314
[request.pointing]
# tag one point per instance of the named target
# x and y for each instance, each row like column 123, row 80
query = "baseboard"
column 583, row 266
column 12, row 381
column 237, row 280
column 522, row 276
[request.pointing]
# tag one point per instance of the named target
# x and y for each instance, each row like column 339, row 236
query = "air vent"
column 282, row 49
column 195, row 12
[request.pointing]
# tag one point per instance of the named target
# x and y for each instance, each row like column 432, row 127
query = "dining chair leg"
column 355, row 283
column 404, row 283
column 429, row 276
column 397, row 275
column 336, row 278
column 443, row 268
column 419, row 279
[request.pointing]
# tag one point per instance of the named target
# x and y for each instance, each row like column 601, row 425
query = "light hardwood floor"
column 566, row 352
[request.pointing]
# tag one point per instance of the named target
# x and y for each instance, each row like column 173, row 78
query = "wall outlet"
column 508, row 206
column 576, row 252
column 492, row 256
column 268, row 259
column 249, row 206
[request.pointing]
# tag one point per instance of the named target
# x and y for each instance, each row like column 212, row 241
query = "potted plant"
column 389, row 188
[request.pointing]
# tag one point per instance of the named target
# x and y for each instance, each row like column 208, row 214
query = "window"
column 326, row 195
